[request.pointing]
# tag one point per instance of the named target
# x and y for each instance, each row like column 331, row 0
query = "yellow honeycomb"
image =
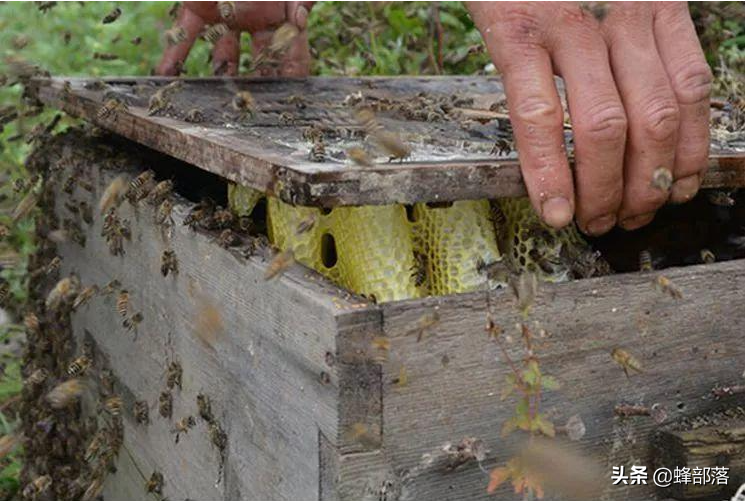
column 243, row 200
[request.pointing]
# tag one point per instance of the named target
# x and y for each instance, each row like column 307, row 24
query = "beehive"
column 325, row 395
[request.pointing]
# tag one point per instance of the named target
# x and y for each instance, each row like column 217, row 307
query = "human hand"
column 638, row 93
column 258, row 18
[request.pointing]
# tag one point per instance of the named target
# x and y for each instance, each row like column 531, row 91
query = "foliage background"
column 355, row 38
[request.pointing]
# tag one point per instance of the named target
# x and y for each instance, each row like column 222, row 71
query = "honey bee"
column 4, row 291
column 222, row 218
column 94, row 447
column 183, row 425
column 226, row 10
column 37, row 377
column 110, row 287
column 366, row 435
column 707, row 256
column 158, row 102
column 122, row 303
column 205, row 407
column 163, row 214
column 662, row 179
column 141, row 412
column 111, row 107
column 112, row 16
column 112, row 195
column 666, row 285
column 45, row 7
column 243, row 102
column 298, row 101
column 279, row 264
column 721, row 198
column 305, row 225
column 199, row 214
column 4, row 230
column 21, row 184
column 501, row 147
column 155, row 484
column 173, row 375
column 194, row 115
column 94, row 490
column 132, row 322
column 7, row 444
column 113, row 405
column 168, row 262
column 136, row 41
column 388, row 142
column 645, row 261
column 140, row 186
column 175, row 35
column 215, row 32
column 37, row 487
column 84, row 296
column 79, row 366
column 65, row 289
column 227, row 238
column 25, row 206
column 626, row 361
column 65, row 394
column 282, row 38
column 165, row 404
column 31, row 322
column 105, row 56
column 359, row 156
column 419, row 269
column 161, row 190
column 218, row 436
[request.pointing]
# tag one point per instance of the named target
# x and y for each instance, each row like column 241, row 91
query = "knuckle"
column 538, row 111
column 692, row 83
column 605, row 123
column 660, row 120
column 519, row 23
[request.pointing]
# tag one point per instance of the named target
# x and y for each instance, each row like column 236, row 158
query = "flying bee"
column 226, row 10
column 155, row 484
column 666, row 285
column 165, row 404
column 161, row 190
column 31, row 322
column 112, row 16
column 175, row 35
column 359, row 156
column 721, row 198
column 243, row 102
column 279, row 264
column 25, row 206
column 419, row 269
column 194, row 115
column 64, row 290
column 113, row 405
column 204, row 406
column 215, row 32
column 122, row 303
column 111, row 107
column 662, row 179
column 425, row 322
column 110, row 287
column 366, row 435
column 645, row 261
column 318, row 151
column 140, row 186
column 37, row 377
column 183, row 425
column 112, row 195
column 159, row 102
column 53, row 265
column 141, row 412
column 707, row 256
column 282, row 38
column 168, row 262
column 79, row 366
column 173, row 375
column 65, row 393
column 105, row 56
column 136, row 41
column 227, row 238
column 94, row 490
column 37, row 487
column 163, row 214
column 626, row 360
column 306, row 224
column 4, row 291
column 8, row 443
column 132, row 322
column 388, row 142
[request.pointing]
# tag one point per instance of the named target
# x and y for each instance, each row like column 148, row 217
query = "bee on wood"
column 97, row 85
column 45, row 7
column 227, row 238
column 175, row 35
column 132, row 322
column 140, row 186
column 52, row 267
column 645, row 261
column 161, row 190
column 66, row 289
column 359, row 156
column 4, row 291
column 37, row 487
column 501, row 147
column 65, row 394
column 243, row 102
column 38, row 377
column 165, row 404
column 388, row 142
column 94, row 490
column 173, row 375
column 662, row 179
column 25, row 206
column 215, row 32
column 204, row 406
column 199, row 214
column 155, row 484
column 666, row 285
column 425, row 322
column 110, row 287
column 218, row 436
column 226, row 10
column 79, row 366
column 84, row 296
column 194, row 115
column 163, row 214
column 721, row 198
column 707, row 256
column 112, row 16
column 366, row 435
column 111, row 107
column 141, row 412
column 183, row 425
column 223, row 218
column 279, row 264
column 168, row 263
column 419, row 269
column 318, row 151
column 112, row 195
column 626, row 361
column 113, row 405
column 159, row 102
column 122, row 303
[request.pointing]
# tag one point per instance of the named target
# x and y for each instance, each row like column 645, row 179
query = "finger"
column 295, row 62
column 225, row 54
column 513, row 41
column 175, row 55
column 651, row 108
column 691, row 78
column 598, row 119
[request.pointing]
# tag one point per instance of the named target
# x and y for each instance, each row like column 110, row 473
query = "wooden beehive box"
column 326, row 396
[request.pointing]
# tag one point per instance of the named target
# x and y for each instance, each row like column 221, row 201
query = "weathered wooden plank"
column 451, row 157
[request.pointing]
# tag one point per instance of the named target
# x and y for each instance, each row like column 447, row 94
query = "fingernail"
column 634, row 222
column 600, row 225
column 301, row 17
column 685, row 189
column 556, row 212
